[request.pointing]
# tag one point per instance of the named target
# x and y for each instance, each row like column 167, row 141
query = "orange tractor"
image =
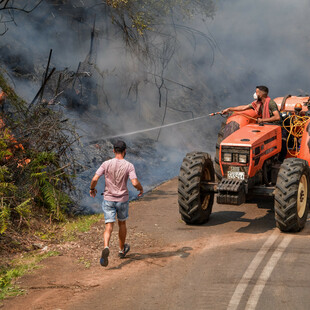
column 247, row 164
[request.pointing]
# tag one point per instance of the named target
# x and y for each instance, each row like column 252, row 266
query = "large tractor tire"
column 225, row 131
column 195, row 204
column 292, row 195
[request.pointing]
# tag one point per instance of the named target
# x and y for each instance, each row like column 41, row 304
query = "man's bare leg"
column 104, row 261
column 122, row 233
column 107, row 234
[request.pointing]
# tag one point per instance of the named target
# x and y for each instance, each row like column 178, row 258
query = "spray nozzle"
column 216, row 113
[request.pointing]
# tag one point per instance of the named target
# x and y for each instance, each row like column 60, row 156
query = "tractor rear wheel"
column 292, row 195
column 195, row 203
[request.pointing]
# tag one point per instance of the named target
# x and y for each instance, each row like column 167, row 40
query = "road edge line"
column 248, row 274
column 266, row 273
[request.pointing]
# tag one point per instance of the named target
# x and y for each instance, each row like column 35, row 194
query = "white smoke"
column 216, row 63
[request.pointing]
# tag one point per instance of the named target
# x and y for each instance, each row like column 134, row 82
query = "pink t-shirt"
column 116, row 173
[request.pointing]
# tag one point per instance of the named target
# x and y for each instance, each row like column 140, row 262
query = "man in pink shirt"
column 116, row 172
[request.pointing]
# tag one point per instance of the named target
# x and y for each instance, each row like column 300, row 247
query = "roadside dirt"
column 165, row 258
column 76, row 270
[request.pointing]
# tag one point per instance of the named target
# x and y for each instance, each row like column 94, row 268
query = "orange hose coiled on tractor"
column 295, row 129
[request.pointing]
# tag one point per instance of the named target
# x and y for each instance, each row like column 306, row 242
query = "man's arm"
column 275, row 117
column 138, row 186
column 94, row 181
column 237, row 109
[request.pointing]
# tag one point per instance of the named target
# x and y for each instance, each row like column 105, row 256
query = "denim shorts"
column 110, row 208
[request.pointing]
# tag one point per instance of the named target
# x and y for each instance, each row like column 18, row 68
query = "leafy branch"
column 36, row 162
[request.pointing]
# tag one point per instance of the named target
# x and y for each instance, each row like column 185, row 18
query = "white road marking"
column 247, row 276
column 261, row 282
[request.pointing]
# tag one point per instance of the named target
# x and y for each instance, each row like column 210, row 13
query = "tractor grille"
column 240, row 157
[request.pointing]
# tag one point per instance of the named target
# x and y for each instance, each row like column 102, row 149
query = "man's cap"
column 119, row 146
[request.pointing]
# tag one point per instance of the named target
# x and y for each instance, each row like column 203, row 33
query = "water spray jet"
column 145, row 130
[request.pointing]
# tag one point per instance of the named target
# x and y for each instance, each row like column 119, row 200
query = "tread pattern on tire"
column 286, row 192
column 189, row 192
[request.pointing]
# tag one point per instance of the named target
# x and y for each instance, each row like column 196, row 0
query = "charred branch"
column 40, row 90
column 171, row 81
column 7, row 9
column 10, row 5
column 45, row 75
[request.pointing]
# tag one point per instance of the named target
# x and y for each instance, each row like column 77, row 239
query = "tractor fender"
column 305, row 143
column 243, row 118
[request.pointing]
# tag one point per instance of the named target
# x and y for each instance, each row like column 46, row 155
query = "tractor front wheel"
column 195, row 203
column 292, row 195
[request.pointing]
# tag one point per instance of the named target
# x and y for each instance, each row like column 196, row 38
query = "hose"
column 295, row 129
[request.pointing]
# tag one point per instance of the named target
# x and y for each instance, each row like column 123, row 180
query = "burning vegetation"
column 40, row 150
column 37, row 161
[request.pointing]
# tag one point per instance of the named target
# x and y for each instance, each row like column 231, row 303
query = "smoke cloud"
column 196, row 68
column 262, row 43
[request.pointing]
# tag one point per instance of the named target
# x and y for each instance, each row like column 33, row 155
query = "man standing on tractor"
column 116, row 172
column 267, row 110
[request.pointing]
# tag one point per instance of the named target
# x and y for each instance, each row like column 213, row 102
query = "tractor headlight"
column 243, row 158
column 227, row 157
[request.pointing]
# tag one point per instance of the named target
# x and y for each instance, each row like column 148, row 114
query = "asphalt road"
column 238, row 260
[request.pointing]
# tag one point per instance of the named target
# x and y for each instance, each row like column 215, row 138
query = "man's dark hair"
column 263, row 89
column 119, row 146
